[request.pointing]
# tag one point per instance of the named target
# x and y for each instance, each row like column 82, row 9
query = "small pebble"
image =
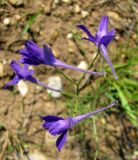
column 17, row 17
column 77, row 8
column 71, row 46
column 115, row 19
column 117, row 37
column 83, row 65
column 23, row 88
column 39, row 89
column 135, row 155
column 55, row 83
column 66, row 1
column 54, row 34
column 1, row 70
column 6, row 21
column 114, row 15
column 37, row 156
column 56, row 1
column 4, row 61
column 25, row 36
column 56, row 52
column 31, row 67
column 69, row 35
column 134, row 36
column 16, row 2
column 84, row 14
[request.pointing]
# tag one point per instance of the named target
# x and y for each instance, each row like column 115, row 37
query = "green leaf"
column 30, row 22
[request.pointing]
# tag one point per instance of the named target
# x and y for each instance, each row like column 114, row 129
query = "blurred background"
column 111, row 135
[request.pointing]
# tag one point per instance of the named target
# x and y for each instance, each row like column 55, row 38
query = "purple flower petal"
column 106, row 57
column 30, row 61
column 15, row 80
column 15, row 66
column 82, row 27
column 88, row 39
column 105, row 40
column 112, row 32
column 34, row 49
column 103, row 26
column 47, row 125
column 23, row 73
column 24, row 52
column 59, row 126
column 49, row 56
column 32, row 54
column 61, row 140
column 51, row 118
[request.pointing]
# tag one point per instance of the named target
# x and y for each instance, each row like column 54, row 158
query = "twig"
column 4, row 145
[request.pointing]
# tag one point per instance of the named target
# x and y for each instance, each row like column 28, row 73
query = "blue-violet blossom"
column 24, row 74
column 32, row 54
column 102, row 39
column 60, row 126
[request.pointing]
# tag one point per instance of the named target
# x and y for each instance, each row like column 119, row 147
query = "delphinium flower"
column 102, row 39
column 60, row 126
column 32, row 54
column 24, row 74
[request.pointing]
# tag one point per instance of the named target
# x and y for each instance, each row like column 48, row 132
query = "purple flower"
column 32, row 54
column 102, row 39
column 24, row 74
column 60, row 126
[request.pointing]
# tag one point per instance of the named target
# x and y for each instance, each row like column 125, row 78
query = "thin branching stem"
column 70, row 80
column 89, row 67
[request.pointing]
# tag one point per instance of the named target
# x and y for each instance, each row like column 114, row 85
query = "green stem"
column 96, row 139
column 89, row 67
column 66, row 76
column 68, row 95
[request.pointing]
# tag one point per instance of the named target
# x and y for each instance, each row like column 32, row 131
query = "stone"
column 66, row 1
column 71, row 46
column 77, row 8
column 23, row 88
column 56, row 1
column 115, row 19
column 69, row 36
column 83, row 65
column 56, row 52
column 6, row 21
column 4, row 61
column 134, row 37
column 1, row 70
column 55, row 35
column 135, row 155
column 114, row 15
column 36, row 155
column 31, row 67
column 18, row 17
column 84, row 14
column 16, row 2
column 39, row 89
column 55, row 83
